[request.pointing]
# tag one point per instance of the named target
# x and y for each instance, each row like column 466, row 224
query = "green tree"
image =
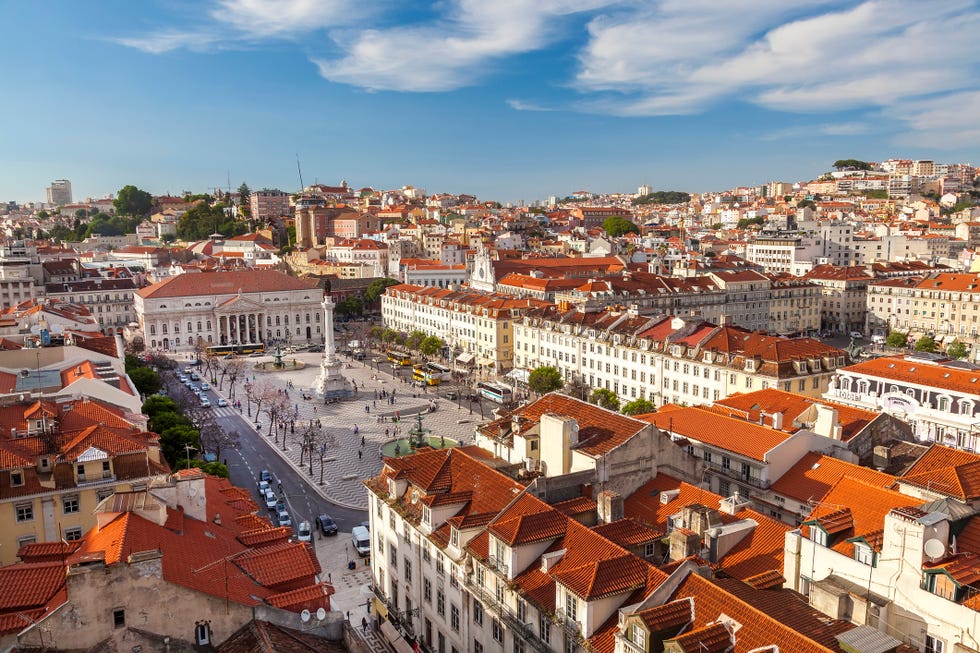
column 605, row 398
column 350, row 306
column 545, row 379
column 377, row 288
column 617, row 226
column 214, row 469
column 664, row 197
column 431, row 345
column 854, row 164
column 414, row 339
column 389, row 336
column 147, row 381
column 244, row 199
column 745, row 222
column 639, row 407
column 174, row 441
column 957, row 350
column 876, row 194
column 158, row 404
column 716, row 226
column 133, row 202
column 897, row 339
column 926, row 343
column 168, row 238
column 201, row 220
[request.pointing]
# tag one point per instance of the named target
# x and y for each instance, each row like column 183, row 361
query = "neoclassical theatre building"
column 229, row 308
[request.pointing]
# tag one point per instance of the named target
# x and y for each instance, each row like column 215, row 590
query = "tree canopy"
column 663, row 197
column 744, row 223
column 926, row 343
column 202, row 220
column 545, row 379
column 431, row 345
column 605, row 398
column 133, row 202
column 377, row 288
column 957, row 350
column 853, row 164
column 617, row 226
column 639, row 407
column 896, row 339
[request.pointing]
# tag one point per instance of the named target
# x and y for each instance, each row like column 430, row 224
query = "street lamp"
column 187, row 450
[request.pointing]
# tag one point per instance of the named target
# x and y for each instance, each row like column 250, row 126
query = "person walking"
column 363, row 625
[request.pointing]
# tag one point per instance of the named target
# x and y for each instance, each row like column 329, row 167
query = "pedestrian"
column 374, row 404
column 363, row 441
column 386, row 433
column 360, row 454
column 355, row 429
column 363, row 625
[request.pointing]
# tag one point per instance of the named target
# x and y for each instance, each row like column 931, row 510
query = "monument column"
column 331, row 383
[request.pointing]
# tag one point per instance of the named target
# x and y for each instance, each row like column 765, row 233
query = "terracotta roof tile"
column 813, row 476
column 727, row 433
column 27, row 586
column 919, row 372
column 628, row 532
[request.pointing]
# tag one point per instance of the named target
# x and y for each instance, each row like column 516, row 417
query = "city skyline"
column 509, row 100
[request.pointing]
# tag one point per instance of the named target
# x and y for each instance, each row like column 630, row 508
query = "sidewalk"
column 343, row 469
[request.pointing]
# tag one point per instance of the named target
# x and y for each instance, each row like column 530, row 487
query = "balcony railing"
column 507, row 615
column 738, row 477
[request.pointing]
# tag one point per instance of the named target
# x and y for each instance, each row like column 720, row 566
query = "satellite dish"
column 934, row 548
column 305, row 615
column 415, row 496
column 321, row 614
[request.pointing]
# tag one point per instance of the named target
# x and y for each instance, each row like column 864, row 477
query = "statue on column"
column 330, row 384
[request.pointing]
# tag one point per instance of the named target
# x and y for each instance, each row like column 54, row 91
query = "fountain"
column 417, row 437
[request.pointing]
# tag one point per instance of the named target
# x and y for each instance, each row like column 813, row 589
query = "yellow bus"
column 399, row 358
column 420, row 373
column 233, row 350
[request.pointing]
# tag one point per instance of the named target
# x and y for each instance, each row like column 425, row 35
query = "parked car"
column 284, row 519
column 270, row 499
column 303, row 532
column 361, row 538
column 222, row 402
column 326, row 524
column 205, row 402
column 265, row 475
column 263, row 486
column 857, row 335
column 195, row 376
column 205, row 387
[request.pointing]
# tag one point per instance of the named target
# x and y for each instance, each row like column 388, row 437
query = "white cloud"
column 452, row 51
column 521, row 105
column 165, row 41
column 681, row 57
column 263, row 18
column 948, row 122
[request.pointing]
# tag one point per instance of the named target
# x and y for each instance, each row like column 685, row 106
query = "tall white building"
column 58, row 193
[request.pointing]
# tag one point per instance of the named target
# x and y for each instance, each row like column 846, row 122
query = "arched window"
column 285, row 319
column 209, row 338
column 153, row 329
column 198, row 325
column 297, row 330
column 153, row 343
column 163, row 328
column 279, row 333
column 942, row 403
column 317, row 317
column 176, row 342
column 307, row 318
column 176, row 328
column 318, row 330
column 297, row 318
column 190, row 327
column 209, row 325
column 277, row 320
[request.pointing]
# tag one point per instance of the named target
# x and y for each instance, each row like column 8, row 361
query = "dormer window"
column 638, row 636
column 427, row 515
column 16, row 479
column 454, row 537
column 750, row 364
column 818, row 535
column 571, row 606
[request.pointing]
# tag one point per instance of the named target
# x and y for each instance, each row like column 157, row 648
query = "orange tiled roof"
column 30, row 585
column 220, row 283
column 720, row 431
column 919, row 372
column 814, row 474
column 794, row 409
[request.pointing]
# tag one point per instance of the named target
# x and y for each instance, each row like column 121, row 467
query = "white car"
column 270, row 499
column 205, row 402
column 222, row 402
column 205, row 387
column 303, row 532
column 857, row 335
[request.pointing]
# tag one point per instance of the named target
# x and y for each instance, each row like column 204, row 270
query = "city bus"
column 495, row 392
column 399, row 358
column 441, row 371
column 225, row 350
column 421, row 373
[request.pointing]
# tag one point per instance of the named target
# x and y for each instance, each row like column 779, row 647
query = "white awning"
column 464, row 359
column 394, row 638
column 517, row 374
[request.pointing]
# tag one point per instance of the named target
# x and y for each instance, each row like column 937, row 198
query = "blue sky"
column 506, row 99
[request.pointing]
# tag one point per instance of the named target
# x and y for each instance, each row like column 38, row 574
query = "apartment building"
column 937, row 397
column 61, row 460
column 58, row 193
column 475, row 325
column 464, row 558
column 943, row 304
column 430, row 272
column 783, row 254
column 110, row 301
column 843, row 297
column 223, row 308
column 668, row 359
column 888, row 299
column 901, row 560
column 362, row 251
column 268, row 203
